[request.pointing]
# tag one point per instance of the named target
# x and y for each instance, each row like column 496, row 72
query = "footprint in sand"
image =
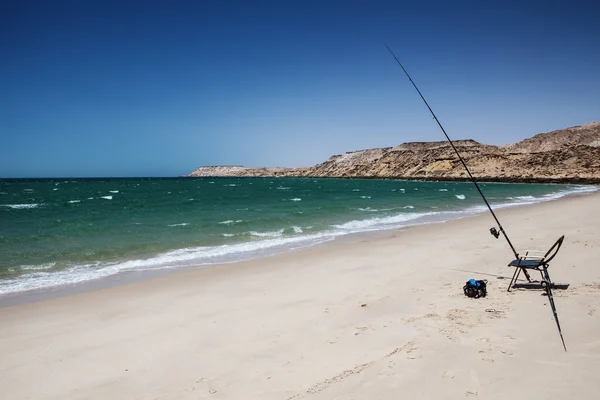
column 448, row 375
column 360, row 329
column 495, row 314
column 411, row 352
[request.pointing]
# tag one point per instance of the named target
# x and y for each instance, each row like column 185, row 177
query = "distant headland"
column 570, row 155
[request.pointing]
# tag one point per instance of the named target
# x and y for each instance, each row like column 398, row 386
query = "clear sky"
column 124, row 88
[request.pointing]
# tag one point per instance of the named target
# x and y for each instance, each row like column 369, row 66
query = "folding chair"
column 533, row 260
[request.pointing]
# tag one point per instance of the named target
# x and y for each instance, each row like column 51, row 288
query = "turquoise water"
column 56, row 232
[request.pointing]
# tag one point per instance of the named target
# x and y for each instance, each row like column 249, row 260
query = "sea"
column 63, row 232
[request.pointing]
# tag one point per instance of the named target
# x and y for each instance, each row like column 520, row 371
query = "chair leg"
column 514, row 278
column 546, row 276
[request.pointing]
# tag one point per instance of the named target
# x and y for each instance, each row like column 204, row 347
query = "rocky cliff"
column 567, row 155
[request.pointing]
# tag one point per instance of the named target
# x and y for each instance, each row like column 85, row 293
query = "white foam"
column 525, row 200
column 74, row 201
column 282, row 188
column 368, row 209
column 410, row 207
column 21, row 206
column 28, row 190
column 106, row 197
column 379, row 223
column 181, row 224
column 402, row 190
column 90, row 198
column 460, row 196
column 365, row 197
column 114, row 191
column 231, row 222
column 40, row 267
column 356, row 190
column 297, row 229
column 296, row 199
column 54, row 189
column 228, row 234
column 442, row 190
column 267, row 234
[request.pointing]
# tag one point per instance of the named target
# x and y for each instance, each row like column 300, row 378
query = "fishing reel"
column 494, row 232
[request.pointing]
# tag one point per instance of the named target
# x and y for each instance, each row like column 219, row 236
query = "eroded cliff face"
column 567, row 155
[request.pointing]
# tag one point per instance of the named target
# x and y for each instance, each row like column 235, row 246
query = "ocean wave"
column 282, row 188
column 231, row 222
column 73, row 201
column 106, row 197
column 114, row 191
column 520, row 198
column 195, row 256
column 356, row 190
column 525, row 200
column 442, row 190
column 267, row 234
column 181, row 224
column 296, row 199
column 381, row 222
column 365, row 197
column 40, row 267
column 297, row 229
column 460, row 196
column 409, row 207
column 21, row 206
column 368, row 209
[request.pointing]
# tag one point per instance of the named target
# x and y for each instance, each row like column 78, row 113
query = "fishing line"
column 492, row 230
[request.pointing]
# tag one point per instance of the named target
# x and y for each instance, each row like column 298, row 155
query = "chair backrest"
column 551, row 253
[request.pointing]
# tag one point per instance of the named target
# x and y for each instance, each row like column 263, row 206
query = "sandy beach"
column 379, row 318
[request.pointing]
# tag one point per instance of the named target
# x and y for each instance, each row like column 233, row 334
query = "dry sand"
column 381, row 318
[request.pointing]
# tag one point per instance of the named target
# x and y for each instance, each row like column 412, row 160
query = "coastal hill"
column 567, row 155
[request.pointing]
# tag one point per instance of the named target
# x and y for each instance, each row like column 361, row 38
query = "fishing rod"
column 493, row 231
column 546, row 283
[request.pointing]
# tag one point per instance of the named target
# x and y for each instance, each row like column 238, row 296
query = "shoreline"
column 364, row 319
column 483, row 179
column 131, row 276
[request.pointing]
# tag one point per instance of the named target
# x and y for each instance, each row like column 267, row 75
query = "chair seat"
column 533, row 264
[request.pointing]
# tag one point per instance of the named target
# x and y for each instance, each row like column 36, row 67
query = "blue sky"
column 122, row 88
